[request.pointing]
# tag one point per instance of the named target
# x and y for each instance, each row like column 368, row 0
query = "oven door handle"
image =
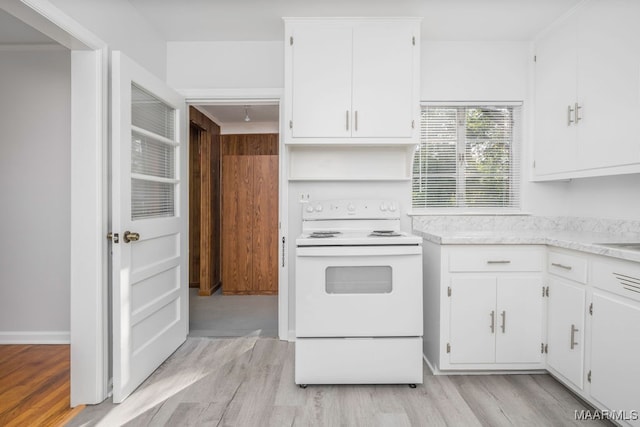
column 357, row 251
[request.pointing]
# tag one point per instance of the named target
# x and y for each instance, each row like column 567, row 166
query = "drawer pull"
column 573, row 336
column 492, row 326
column 504, row 320
column 505, row 261
column 565, row 267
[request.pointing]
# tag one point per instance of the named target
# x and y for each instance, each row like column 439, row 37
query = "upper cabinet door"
column 555, row 80
column 587, row 87
column 321, row 81
column 383, row 74
column 609, row 83
column 352, row 81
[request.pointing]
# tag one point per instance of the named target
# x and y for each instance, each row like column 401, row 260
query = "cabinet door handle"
column 355, row 122
column 573, row 336
column 565, row 267
column 503, row 261
column 504, row 320
column 569, row 111
column 347, row 118
column 492, row 326
column 577, row 110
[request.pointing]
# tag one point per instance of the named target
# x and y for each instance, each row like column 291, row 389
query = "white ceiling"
column 14, row 31
column 261, row 20
column 226, row 114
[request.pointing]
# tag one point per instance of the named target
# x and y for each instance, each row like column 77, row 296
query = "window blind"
column 468, row 158
column 153, row 156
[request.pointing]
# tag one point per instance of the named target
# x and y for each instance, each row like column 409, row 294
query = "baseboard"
column 35, row 337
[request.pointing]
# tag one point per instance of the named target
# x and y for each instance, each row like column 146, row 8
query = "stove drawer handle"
column 504, row 261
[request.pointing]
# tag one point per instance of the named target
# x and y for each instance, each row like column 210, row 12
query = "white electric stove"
column 358, row 295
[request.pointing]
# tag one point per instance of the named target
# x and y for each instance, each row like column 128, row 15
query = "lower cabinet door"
column 519, row 320
column 473, row 319
column 565, row 330
column 615, row 350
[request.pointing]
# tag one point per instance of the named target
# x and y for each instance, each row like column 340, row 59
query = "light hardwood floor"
column 34, row 385
column 249, row 382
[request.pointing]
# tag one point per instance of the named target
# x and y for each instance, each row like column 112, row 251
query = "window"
column 468, row 158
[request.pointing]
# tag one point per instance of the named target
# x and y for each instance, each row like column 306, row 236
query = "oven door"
column 359, row 291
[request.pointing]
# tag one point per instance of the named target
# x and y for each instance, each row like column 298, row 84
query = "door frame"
column 89, row 194
column 253, row 96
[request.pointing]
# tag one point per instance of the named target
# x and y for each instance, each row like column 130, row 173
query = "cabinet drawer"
column 495, row 258
column 567, row 266
column 620, row 277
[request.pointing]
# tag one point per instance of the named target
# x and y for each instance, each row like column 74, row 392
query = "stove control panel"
column 351, row 209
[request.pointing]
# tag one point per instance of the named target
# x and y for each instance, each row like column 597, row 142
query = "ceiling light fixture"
column 246, row 114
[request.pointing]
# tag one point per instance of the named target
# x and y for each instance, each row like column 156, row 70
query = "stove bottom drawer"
column 358, row 360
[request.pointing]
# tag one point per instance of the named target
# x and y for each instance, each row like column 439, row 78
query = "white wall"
column 205, row 65
column 474, row 71
column 122, row 27
column 35, row 191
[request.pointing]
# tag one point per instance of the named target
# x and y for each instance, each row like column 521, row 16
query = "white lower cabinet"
column 565, row 329
column 483, row 307
column 615, row 353
column 495, row 320
column 499, row 308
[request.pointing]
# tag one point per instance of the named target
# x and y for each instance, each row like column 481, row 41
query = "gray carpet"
column 232, row 315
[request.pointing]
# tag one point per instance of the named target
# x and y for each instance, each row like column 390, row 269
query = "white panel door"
column 519, row 320
column 321, row 88
column 149, row 216
column 383, row 80
column 615, row 346
column 565, row 329
column 473, row 319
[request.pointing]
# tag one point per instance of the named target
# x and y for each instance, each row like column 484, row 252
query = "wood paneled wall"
column 204, row 203
column 250, row 214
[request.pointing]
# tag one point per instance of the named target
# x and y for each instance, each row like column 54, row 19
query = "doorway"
column 234, row 212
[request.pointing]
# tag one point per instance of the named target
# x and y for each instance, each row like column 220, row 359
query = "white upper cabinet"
column 321, row 81
column 587, row 93
column 352, row 81
column 555, row 80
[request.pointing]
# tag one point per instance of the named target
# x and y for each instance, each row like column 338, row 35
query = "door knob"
column 131, row 237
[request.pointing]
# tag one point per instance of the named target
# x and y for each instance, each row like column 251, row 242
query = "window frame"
column 516, row 164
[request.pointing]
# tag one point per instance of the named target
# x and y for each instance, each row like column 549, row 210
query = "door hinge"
column 413, row 124
column 283, row 248
column 543, row 292
column 413, row 40
column 291, row 41
column 591, row 309
column 542, row 347
column 546, row 348
column 547, row 292
column 449, row 291
column 448, row 348
column 290, row 124
column 114, row 237
column 589, row 376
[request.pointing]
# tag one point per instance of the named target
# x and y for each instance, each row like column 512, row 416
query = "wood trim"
column 207, row 203
column 261, row 144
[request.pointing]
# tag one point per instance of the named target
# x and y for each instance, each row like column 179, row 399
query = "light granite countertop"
column 574, row 239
